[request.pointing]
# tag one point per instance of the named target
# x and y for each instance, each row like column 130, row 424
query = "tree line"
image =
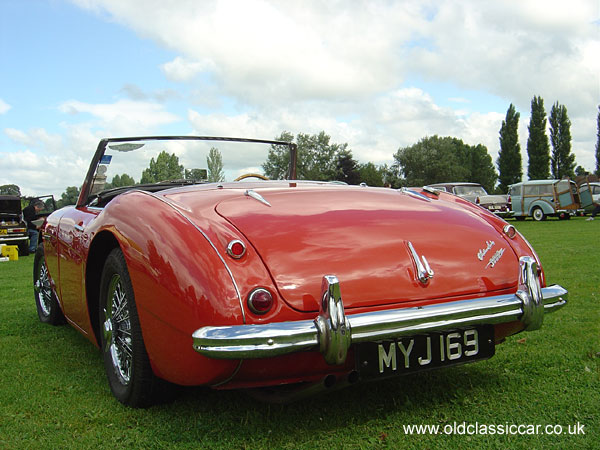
column 433, row 159
column 437, row 159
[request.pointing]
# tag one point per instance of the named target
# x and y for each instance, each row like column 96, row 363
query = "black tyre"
column 538, row 215
column 126, row 361
column 24, row 249
column 46, row 301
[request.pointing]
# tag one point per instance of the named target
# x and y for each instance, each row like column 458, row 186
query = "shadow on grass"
column 227, row 416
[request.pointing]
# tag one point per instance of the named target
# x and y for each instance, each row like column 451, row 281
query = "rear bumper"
column 332, row 331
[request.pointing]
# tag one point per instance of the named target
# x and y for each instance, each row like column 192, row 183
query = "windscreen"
column 143, row 162
column 469, row 190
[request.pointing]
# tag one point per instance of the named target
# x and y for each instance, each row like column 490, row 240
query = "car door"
column 596, row 193
column 516, row 199
column 73, row 246
column 531, row 193
column 566, row 198
column 586, row 194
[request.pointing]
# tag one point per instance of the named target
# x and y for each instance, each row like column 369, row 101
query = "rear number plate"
column 411, row 354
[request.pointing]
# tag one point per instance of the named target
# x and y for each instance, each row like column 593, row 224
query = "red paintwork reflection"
column 360, row 236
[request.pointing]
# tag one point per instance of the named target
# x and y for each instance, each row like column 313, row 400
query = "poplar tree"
column 509, row 161
column 538, row 148
column 214, row 162
column 562, row 161
column 598, row 143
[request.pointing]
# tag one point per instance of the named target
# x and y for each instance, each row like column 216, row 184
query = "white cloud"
column 257, row 50
column 4, row 107
column 181, row 69
column 255, row 68
column 47, row 170
column 516, row 49
column 36, row 137
column 124, row 117
column 262, row 51
column 43, row 163
column 266, row 53
column 136, row 93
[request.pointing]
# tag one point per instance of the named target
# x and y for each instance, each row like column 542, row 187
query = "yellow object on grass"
column 11, row 251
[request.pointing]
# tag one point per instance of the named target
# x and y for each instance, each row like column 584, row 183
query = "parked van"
column 542, row 198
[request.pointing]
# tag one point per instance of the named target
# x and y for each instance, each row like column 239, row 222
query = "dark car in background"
column 13, row 229
column 476, row 193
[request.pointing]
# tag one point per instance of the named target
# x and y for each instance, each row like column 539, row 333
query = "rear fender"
column 547, row 207
column 179, row 283
column 518, row 243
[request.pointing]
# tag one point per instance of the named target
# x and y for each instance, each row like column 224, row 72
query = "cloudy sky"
column 377, row 74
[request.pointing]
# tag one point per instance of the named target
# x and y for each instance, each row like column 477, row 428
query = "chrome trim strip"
column 274, row 339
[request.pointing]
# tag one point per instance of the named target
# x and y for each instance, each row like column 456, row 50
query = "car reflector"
column 260, row 301
column 236, row 249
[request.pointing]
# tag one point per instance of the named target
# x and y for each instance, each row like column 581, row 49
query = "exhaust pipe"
column 298, row 391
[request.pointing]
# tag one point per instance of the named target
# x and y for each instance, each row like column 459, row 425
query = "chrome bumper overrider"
column 332, row 331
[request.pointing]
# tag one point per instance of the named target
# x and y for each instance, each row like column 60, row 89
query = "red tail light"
column 260, row 301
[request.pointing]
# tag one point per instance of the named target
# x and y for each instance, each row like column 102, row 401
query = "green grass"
column 53, row 391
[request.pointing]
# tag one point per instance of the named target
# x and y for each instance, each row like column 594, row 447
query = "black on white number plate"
column 411, row 354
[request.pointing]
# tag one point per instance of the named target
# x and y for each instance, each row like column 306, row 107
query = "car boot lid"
column 410, row 247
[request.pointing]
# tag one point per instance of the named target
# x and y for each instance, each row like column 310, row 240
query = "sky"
column 375, row 74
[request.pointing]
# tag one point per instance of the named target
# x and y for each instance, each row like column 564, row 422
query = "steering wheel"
column 251, row 175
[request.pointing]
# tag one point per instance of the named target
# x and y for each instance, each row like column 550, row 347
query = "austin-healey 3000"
column 290, row 285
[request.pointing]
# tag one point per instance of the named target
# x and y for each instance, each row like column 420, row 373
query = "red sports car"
column 289, row 285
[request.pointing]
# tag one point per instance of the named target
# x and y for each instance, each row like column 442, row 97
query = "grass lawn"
column 53, row 391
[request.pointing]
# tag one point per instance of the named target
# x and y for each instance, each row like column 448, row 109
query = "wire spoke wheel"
column 48, row 308
column 44, row 289
column 126, row 361
column 117, row 330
